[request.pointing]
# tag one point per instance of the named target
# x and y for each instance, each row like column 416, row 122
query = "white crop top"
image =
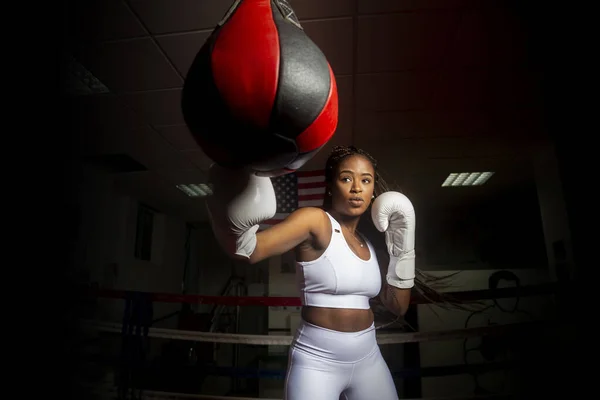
column 339, row 278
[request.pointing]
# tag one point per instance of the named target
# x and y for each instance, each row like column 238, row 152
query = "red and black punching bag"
column 260, row 93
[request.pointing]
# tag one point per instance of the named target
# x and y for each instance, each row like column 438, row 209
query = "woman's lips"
column 356, row 202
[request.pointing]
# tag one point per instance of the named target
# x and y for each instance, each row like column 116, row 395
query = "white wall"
column 554, row 214
column 105, row 252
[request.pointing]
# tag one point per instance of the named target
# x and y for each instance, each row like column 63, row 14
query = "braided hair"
column 337, row 155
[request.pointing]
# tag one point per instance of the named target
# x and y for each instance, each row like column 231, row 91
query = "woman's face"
column 352, row 186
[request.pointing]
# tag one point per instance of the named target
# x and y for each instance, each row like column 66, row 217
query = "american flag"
column 296, row 190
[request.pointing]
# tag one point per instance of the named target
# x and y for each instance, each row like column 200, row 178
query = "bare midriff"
column 338, row 319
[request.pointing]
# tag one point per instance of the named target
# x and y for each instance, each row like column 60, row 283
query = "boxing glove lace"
column 394, row 214
column 241, row 200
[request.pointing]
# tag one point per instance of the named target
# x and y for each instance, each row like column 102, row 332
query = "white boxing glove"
column 241, row 200
column 394, row 214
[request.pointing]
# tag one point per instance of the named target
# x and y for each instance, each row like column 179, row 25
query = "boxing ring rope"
column 466, row 296
column 158, row 395
column 106, row 388
column 281, row 340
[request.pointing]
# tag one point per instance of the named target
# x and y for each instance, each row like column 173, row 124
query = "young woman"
column 334, row 353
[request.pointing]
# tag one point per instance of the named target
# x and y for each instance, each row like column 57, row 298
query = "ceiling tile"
column 515, row 87
column 182, row 48
column 99, row 124
column 394, row 126
column 334, row 38
column 130, row 65
column 166, row 16
column 101, row 20
column 313, row 9
column 383, row 6
column 461, row 89
column 404, row 41
column 508, row 36
column 446, row 148
column 105, row 110
column 444, row 4
column 198, row 158
column 407, row 90
column 159, row 107
column 183, row 176
column 151, row 149
column 179, row 136
column 391, row 6
column 470, row 46
column 491, row 36
column 522, row 123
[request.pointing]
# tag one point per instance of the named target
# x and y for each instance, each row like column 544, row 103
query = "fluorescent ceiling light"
column 467, row 179
column 196, row 189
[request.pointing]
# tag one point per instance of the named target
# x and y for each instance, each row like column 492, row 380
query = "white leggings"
column 330, row 365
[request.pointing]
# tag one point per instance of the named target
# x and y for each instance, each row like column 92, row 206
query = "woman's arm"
column 394, row 214
column 241, row 201
column 394, row 299
column 300, row 226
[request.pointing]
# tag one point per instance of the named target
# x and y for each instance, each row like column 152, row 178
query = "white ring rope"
column 156, row 395
column 277, row 340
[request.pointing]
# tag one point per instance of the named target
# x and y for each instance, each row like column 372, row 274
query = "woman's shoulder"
column 314, row 212
column 321, row 226
column 316, row 217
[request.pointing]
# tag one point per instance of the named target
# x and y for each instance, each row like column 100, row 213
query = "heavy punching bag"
column 260, row 93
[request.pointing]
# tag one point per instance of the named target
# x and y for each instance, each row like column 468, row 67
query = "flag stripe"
column 317, row 196
column 308, row 185
column 302, row 192
column 317, row 172
column 296, row 190
column 312, row 179
column 312, row 203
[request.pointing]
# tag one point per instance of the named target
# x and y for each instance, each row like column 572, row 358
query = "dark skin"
column 308, row 231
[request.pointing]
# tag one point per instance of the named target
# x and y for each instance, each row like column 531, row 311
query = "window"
column 143, row 232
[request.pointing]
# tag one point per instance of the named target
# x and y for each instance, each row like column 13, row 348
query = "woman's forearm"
column 395, row 300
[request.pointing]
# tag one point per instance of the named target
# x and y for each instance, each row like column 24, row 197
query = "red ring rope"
column 466, row 296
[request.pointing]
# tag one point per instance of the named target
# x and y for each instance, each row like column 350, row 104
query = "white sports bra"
column 339, row 278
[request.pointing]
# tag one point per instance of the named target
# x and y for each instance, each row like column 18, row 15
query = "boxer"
column 334, row 353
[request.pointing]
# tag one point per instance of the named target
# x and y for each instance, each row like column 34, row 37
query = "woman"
column 334, row 353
